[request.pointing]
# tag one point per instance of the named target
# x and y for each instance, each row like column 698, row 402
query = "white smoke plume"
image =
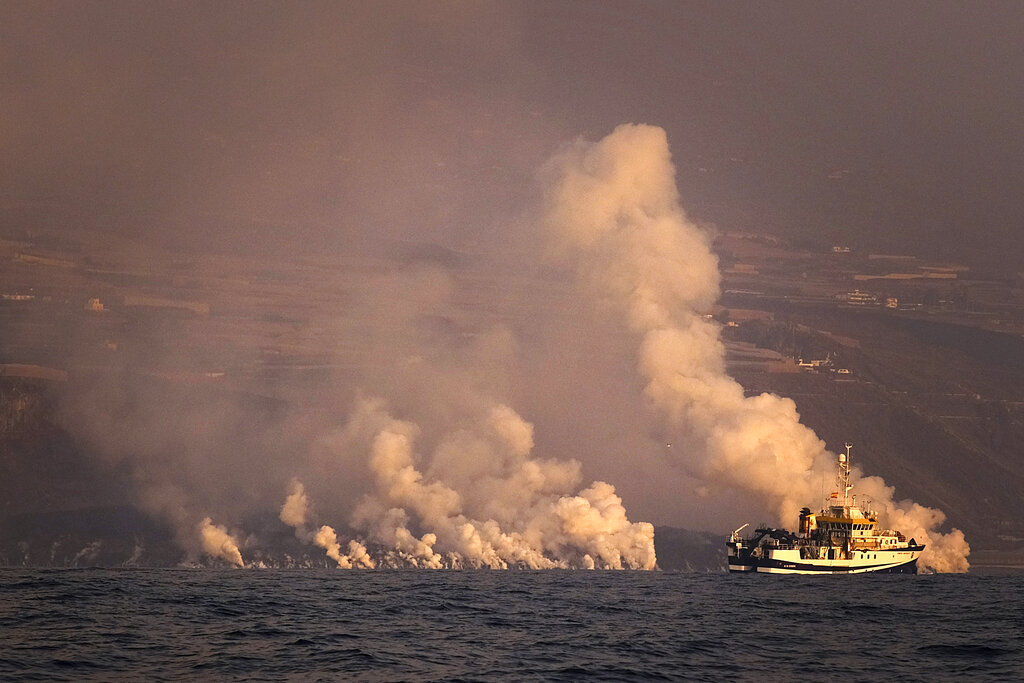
column 218, row 543
column 87, row 554
column 296, row 509
column 357, row 556
column 137, row 551
column 484, row 502
column 389, row 528
column 327, row 539
column 613, row 209
column 295, row 513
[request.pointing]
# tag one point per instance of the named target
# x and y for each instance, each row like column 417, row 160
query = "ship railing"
column 783, row 546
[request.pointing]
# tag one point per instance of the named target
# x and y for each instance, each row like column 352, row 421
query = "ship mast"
column 844, row 474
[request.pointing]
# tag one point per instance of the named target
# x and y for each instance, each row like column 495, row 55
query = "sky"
column 888, row 126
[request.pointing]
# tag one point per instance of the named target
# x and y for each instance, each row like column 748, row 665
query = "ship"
column 843, row 538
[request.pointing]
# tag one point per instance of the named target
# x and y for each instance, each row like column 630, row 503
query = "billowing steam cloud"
column 445, row 475
column 295, row 513
column 296, row 508
column 357, row 556
column 613, row 209
column 218, row 543
column 484, row 502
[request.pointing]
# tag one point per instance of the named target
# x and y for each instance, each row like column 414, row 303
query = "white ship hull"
column 896, row 561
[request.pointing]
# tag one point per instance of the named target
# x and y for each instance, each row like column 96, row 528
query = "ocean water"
column 200, row 624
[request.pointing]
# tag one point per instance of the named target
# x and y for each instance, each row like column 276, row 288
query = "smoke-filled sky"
column 887, row 125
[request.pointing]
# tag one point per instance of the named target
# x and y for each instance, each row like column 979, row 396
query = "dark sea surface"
column 203, row 624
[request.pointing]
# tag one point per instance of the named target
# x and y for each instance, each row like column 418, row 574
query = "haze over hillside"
column 211, row 373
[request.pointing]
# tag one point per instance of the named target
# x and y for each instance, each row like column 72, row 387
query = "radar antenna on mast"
column 844, row 474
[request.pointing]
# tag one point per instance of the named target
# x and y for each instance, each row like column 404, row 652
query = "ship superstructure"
column 842, row 538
